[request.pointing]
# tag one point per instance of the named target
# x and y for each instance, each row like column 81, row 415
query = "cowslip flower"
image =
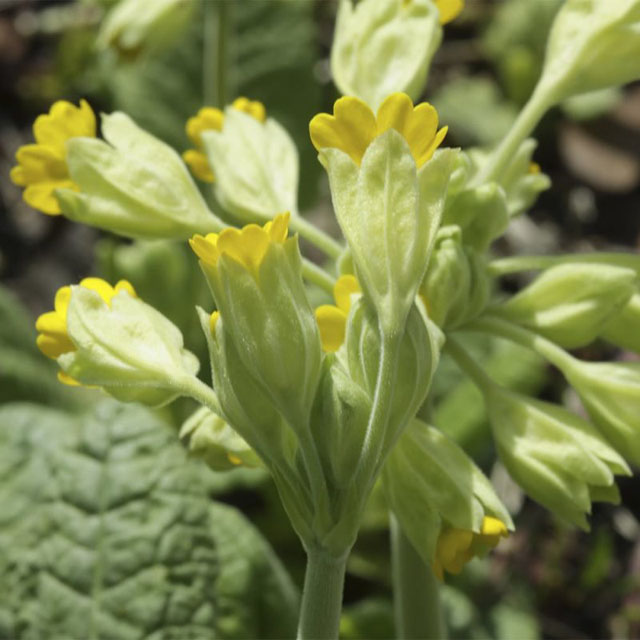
column 332, row 319
column 353, row 126
column 212, row 119
column 53, row 339
column 449, row 9
column 42, row 167
column 456, row 547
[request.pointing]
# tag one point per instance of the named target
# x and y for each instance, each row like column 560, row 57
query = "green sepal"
column 456, row 286
column 268, row 317
column 126, row 347
column 593, row 44
column 430, row 482
column 384, row 46
column 389, row 213
column 133, row 184
column 571, row 303
column 623, row 329
column 210, row 438
column 555, row 456
column 611, row 394
column 256, row 167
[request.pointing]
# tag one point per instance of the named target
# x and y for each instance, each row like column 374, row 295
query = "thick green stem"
column 214, row 53
column 322, row 596
column 416, row 592
column 198, row 390
column 316, row 237
column 469, row 365
column 526, row 122
column 515, row 264
column 317, row 275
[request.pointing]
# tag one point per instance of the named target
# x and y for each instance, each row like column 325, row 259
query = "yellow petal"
column 125, row 285
column 351, row 128
column 394, row 113
column 493, row 527
column 451, row 543
column 199, row 165
column 40, row 163
column 428, row 153
column 65, row 378
column 207, row 119
column 41, row 196
column 233, row 459
column 213, row 321
column 205, row 248
column 248, row 246
column 64, row 121
column 332, row 324
column 449, row 9
column 278, row 228
column 62, row 299
column 343, row 289
column 100, row 286
column 254, row 108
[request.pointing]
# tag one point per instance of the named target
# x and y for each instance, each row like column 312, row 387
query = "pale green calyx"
column 593, row 44
column 126, row 347
column 133, row 184
column 384, row 46
column 623, row 329
column 134, row 25
column 210, row 438
column 434, row 489
column 571, row 303
column 255, row 164
column 389, row 211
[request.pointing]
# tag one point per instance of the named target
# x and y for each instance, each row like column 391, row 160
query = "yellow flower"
column 449, row 9
column 332, row 320
column 457, row 546
column 53, row 339
column 42, row 166
column 353, row 126
column 212, row 119
column 248, row 245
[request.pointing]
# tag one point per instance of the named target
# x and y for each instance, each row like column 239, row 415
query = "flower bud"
column 593, row 44
column 456, row 286
column 254, row 161
column 611, row 394
column 133, row 184
column 42, row 167
column 445, row 504
column 571, row 303
column 559, row 459
column 209, row 437
column 107, row 337
column 388, row 193
column 255, row 278
column 383, row 46
column 134, row 25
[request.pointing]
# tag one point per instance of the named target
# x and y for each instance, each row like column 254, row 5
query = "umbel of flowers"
column 327, row 399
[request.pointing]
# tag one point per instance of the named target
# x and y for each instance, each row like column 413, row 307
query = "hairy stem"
column 214, row 53
column 316, row 237
column 416, row 592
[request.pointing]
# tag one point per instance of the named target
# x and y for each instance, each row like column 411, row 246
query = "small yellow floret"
column 53, row 339
column 248, row 245
column 449, row 9
column 353, row 126
column 212, row 119
column 332, row 320
column 42, row 167
column 456, row 547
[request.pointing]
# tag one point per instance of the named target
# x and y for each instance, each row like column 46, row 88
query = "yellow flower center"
column 449, row 9
column 247, row 246
column 212, row 119
column 332, row 320
column 456, row 547
column 353, row 126
column 53, row 339
column 42, row 167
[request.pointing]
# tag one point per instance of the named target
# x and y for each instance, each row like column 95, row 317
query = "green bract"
column 127, row 347
column 572, row 303
column 559, row 459
column 209, row 437
column 256, row 166
column 431, row 482
column 389, row 213
column 133, row 184
column 383, row 46
column 593, row 44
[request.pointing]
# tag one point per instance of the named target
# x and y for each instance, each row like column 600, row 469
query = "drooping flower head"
column 247, row 246
column 353, row 126
column 42, row 167
column 53, row 339
column 456, row 547
column 212, row 119
column 332, row 319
